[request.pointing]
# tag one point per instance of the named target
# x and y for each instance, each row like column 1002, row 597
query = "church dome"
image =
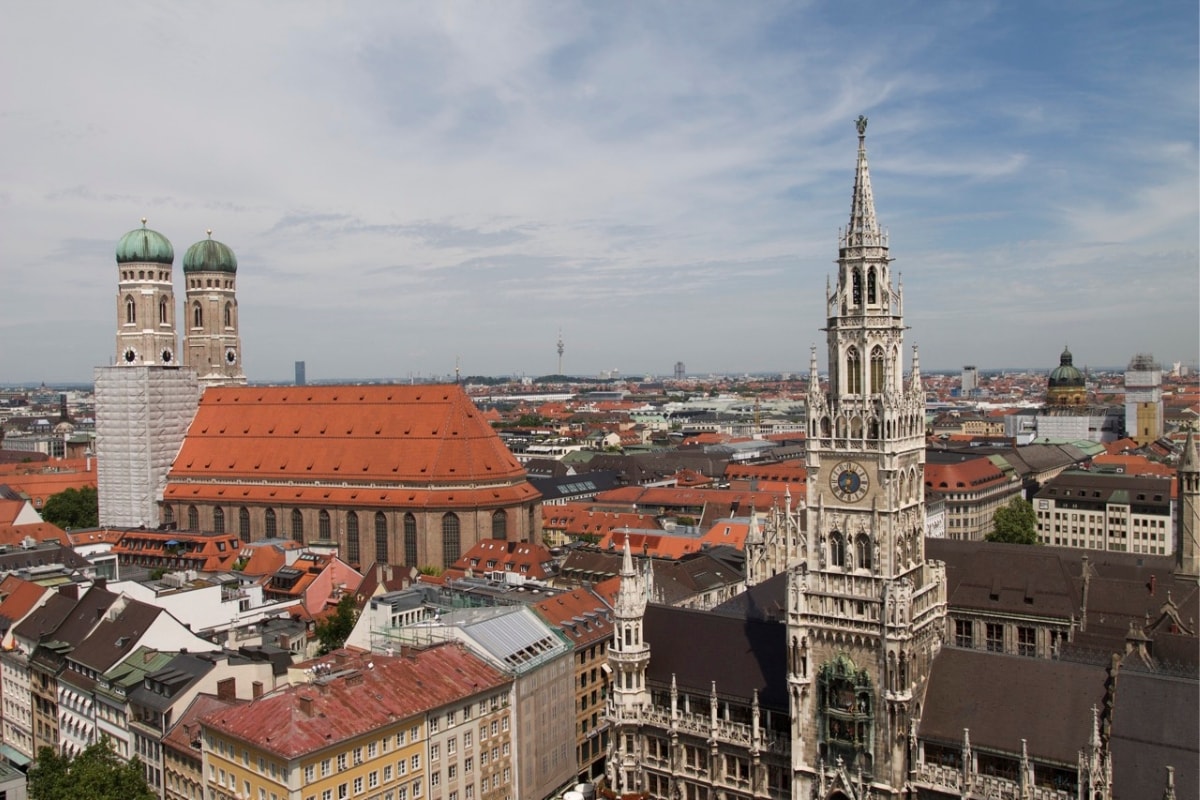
column 1066, row 374
column 209, row 255
column 144, row 246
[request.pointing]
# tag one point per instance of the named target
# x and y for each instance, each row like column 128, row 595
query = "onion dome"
column 209, row 255
column 144, row 246
column 1065, row 374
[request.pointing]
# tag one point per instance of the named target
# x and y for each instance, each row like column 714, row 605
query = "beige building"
column 1107, row 511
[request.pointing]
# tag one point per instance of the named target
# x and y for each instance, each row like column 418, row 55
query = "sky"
column 414, row 186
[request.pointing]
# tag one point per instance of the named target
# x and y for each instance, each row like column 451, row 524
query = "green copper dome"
column 1065, row 374
column 209, row 255
column 143, row 245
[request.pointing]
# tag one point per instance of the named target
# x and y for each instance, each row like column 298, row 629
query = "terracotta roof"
column 185, row 550
column 490, row 555
column 43, row 485
column 184, row 737
column 268, row 556
column 581, row 614
column 578, row 519
column 972, row 474
column 406, row 444
column 17, row 598
column 662, row 545
column 11, row 535
column 363, row 693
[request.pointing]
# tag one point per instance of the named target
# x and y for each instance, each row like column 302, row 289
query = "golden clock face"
column 849, row 482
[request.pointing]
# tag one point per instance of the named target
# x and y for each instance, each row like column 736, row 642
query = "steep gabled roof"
column 414, row 435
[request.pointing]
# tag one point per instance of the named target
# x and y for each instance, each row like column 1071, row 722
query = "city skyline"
column 418, row 188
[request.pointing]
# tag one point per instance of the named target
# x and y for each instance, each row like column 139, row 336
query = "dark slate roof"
column 1003, row 699
column 1005, row 578
column 1155, row 726
column 765, row 601
column 40, row 556
column 113, row 639
column 180, row 672
column 588, row 483
column 698, row 648
column 46, row 617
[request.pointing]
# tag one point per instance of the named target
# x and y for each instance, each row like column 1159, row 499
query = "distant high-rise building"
column 970, row 380
column 1143, row 399
column 680, row 370
column 300, row 373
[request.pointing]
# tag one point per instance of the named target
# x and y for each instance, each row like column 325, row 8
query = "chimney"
column 227, row 689
column 256, row 689
column 306, row 705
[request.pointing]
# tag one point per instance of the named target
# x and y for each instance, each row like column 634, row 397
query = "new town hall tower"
column 816, row 696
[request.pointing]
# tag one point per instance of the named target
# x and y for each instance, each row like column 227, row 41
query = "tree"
column 334, row 630
column 97, row 773
column 73, row 508
column 1015, row 523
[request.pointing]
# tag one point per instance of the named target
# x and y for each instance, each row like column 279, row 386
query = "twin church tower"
column 146, row 312
column 146, row 399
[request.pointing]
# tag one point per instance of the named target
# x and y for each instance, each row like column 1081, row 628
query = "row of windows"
column 164, row 311
column 451, row 535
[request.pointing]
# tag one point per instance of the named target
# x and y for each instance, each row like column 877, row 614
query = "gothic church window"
column 297, row 525
column 837, row 549
column 862, row 551
column 228, row 315
column 381, row 537
column 323, row 526
column 130, row 311
column 500, row 525
column 450, row 539
column 856, row 281
column 244, row 524
column 352, row 537
column 853, row 371
column 410, row 540
column 193, row 519
column 218, row 520
column 877, row 370
column 272, row 528
column 162, row 311
column 871, row 285
column 197, row 316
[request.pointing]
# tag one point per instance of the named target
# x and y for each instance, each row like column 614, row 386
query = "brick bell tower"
column 866, row 612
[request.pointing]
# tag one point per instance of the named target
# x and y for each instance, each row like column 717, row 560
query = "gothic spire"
column 1187, row 462
column 864, row 228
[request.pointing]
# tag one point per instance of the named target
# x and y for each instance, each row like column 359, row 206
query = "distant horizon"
column 798, row 376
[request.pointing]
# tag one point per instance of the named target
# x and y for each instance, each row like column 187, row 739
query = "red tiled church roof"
column 416, row 445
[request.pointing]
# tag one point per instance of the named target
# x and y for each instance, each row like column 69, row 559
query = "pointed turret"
column 1187, row 557
column 863, row 230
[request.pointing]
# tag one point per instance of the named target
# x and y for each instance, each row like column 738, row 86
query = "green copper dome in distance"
column 209, row 255
column 144, row 246
column 1066, row 373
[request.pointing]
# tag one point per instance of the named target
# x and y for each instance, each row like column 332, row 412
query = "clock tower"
column 866, row 612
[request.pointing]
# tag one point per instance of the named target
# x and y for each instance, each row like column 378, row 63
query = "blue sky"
column 407, row 185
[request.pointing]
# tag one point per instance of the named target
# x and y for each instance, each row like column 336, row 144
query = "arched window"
column 876, row 370
column 451, row 543
column 197, row 316
column 500, row 525
column 323, row 526
column 271, row 528
column 862, row 551
column 856, row 282
column 410, row 540
column 853, row 371
column 244, row 524
column 297, row 525
column 193, row 519
column 229, row 315
column 218, row 520
column 381, row 537
column 871, row 285
column 130, row 310
column 162, row 311
column 837, row 549
column 352, row 555
column 168, row 514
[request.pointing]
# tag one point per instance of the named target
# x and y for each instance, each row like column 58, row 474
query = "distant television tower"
column 560, row 351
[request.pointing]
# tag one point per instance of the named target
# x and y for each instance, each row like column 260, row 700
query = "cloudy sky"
column 407, row 185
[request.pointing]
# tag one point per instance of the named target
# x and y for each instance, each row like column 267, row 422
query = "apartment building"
column 1107, row 511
